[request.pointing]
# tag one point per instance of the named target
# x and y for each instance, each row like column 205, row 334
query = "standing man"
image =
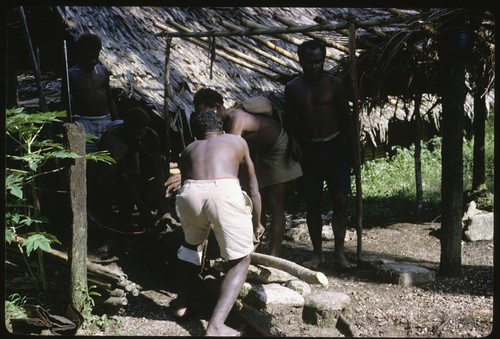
column 136, row 177
column 90, row 96
column 269, row 149
column 211, row 195
column 322, row 137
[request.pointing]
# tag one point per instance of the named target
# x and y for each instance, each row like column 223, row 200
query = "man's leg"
column 274, row 199
column 339, row 223
column 229, row 291
column 188, row 270
column 315, row 226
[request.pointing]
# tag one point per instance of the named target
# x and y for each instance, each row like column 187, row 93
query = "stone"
column 324, row 308
column 298, row 286
column 479, row 226
column 405, row 274
column 270, row 296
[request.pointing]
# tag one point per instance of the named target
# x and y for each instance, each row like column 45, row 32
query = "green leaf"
column 9, row 234
column 14, row 184
column 38, row 241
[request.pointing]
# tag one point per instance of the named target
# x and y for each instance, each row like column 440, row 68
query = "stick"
column 301, row 272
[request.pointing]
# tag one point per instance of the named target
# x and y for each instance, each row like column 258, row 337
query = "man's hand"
column 173, row 184
column 257, row 235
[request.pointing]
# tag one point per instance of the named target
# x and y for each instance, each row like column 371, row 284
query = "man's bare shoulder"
column 297, row 81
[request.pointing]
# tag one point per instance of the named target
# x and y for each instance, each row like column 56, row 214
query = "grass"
column 389, row 188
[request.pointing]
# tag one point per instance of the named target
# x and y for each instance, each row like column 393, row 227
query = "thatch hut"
column 247, row 51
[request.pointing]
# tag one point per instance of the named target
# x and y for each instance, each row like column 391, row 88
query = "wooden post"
column 78, row 195
column 36, row 69
column 418, row 155
column 453, row 51
column 167, row 95
column 355, row 101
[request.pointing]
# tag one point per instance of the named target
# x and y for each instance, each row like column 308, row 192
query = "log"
column 115, row 301
column 104, row 272
column 301, row 272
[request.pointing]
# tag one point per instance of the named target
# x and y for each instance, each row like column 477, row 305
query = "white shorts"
column 222, row 203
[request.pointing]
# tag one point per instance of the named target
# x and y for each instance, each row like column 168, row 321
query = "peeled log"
column 301, row 272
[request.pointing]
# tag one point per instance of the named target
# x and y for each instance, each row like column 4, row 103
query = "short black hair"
column 205, row 121
column 89, row 42
column 208, row 97
column 311, row 44
column 136, row 119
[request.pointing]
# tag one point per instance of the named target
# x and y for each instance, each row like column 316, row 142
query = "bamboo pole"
column 36, row 68
column 266, row 55
column 344, row 30
column 286, row 38
column 166, row 96
column 225, row 55
column 355, row 100
column 231, row 50
column 296, row 29
column 327, row 42
column 263, row 42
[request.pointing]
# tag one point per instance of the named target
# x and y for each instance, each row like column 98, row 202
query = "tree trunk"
column 78, row 196
column 478, row 169
column 355, row 101
column 453, row 98
column 418, row 156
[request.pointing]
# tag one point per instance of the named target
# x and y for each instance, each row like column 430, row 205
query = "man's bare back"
column 217, row 156
column 261, row 132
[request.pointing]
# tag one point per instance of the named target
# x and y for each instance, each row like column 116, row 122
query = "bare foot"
column 180, row 312
column 342, row 262
column 314, row 262
column 222, row 331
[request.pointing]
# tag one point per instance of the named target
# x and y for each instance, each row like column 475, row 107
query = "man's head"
column 312, row 58
column 205, row 122
column 135, row 122
column 208, row 99
column 89, row 46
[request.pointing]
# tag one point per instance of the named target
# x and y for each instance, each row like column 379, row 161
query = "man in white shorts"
column 211, row 196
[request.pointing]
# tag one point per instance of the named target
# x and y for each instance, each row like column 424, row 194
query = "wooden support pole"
column 78, row 196
column 229, row 57
column 263, row 42
column 36, row 68
column 286, row 38
column 327, row 42
column 232, row 51
column 355, row 101
column 418, row 155
column 167, row 95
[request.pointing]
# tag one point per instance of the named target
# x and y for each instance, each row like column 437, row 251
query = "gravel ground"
column 446, row 307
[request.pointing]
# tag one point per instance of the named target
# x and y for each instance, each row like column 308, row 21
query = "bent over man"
column 211, row 195
column 269, row 149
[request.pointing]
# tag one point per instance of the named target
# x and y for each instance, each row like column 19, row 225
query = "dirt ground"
column 446, row 307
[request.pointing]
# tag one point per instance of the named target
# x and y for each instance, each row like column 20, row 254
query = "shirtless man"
column 91, row 102
column 322, row 136
column 269, row 149
column 211, row 195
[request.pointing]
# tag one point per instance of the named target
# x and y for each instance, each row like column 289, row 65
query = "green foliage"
column 31, row 150
column 92, row 322
column 389, row 187
column 14, row 306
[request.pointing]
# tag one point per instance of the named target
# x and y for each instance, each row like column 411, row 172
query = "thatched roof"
column 392, row 47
